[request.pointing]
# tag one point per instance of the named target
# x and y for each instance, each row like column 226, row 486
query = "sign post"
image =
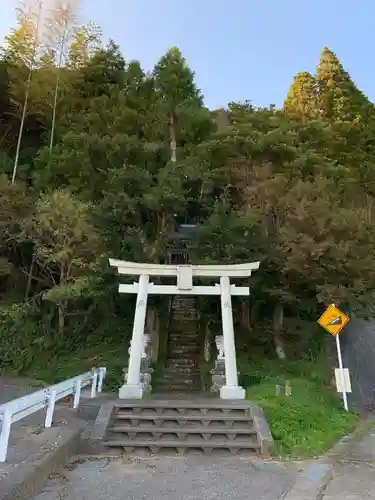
column 339, row 357
column 333, row 321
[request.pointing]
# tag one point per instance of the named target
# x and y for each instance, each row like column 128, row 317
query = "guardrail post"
column 101, row 378
column 94, row 383
column 77, row 393
column 6, row 423
column 50, row 408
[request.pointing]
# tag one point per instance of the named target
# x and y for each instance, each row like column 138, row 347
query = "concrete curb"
column 93, row 435
column 29, row 477
column 261, row 426
column 312, row 482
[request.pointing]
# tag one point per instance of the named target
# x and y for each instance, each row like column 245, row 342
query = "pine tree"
column 300, row 101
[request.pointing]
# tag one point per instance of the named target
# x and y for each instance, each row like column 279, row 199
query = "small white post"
column 50, row 408
column 77, row 393
column 133, row 388
column 6, row 423
column 342, row 377
column 101, row 377
column 231, row 389
column 93, row 385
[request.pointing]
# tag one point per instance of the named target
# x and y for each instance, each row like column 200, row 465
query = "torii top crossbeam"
column 214, row 270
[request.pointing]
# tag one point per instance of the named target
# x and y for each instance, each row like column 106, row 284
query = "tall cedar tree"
column 300, row 101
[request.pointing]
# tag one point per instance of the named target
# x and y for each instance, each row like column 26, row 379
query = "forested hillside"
column 100, row 159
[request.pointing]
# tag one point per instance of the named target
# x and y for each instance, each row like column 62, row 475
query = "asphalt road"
column 168, row 478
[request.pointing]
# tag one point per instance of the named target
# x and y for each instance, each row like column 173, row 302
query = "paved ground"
column 29, row 440
column 354, row 475
column 352, row 481
column 168, row 478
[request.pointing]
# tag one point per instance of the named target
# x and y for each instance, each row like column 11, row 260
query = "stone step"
column 179, row 380
column 176, row 374
column 197, row 432
column 181, row 370
column 183, row 308
column 155, row 446
column 188, row 336
column 183, row 332
column 180, row 374
column 182, row 323
column 201, row 405
column 185, row 355
column 173, row 350
column 179, row 300
column 184, row 314
column 182, row 305
column 184, row 341
column 183, row 347
column 184, row 419
column 176, row 350
column 170, row 423
column 181, row 362
column 181, row 388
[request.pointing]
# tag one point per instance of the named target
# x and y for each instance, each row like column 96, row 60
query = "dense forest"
column 99, row 159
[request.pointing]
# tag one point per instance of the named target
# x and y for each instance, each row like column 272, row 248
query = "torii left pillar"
column 133, row 388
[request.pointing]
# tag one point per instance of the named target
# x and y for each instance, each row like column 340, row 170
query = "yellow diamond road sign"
column 333, row 320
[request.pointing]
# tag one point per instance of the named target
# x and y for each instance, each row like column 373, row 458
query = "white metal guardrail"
column 19, row 408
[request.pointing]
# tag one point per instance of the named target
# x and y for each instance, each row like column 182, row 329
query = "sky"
column 239, row 49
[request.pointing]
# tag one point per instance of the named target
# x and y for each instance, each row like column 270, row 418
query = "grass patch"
column 308, row 422
column 61, row 366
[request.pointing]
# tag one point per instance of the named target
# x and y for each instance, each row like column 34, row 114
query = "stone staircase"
column 181, row 373
column 183, row 426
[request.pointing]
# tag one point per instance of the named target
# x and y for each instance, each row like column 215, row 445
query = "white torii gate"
column 184, row 273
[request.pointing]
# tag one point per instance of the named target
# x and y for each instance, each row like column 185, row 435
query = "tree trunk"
column 22, row 124
column 30, row 277
column 278, row 322
column 54, row 113
column 57, row 88
column 61, row 304
column 172, row 138
column 61, row 311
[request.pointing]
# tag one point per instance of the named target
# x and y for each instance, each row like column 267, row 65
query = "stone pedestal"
column 218, row 375
column 146, row 371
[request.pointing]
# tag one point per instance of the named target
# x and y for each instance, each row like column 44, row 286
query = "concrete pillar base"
column 232, row 392
column 128, row 391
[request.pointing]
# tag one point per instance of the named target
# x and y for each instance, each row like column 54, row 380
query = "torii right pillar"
column 231, row 389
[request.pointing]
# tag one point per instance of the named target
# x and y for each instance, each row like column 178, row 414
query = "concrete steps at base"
column 183, row 425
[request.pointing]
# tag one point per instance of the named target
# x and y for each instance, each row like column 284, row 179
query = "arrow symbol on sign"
column 335, row 321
